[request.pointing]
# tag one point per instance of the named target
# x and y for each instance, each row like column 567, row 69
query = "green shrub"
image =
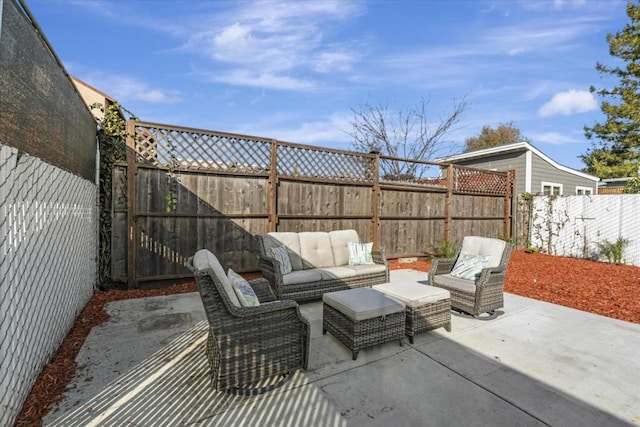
column 613, row 252
column 445, row 248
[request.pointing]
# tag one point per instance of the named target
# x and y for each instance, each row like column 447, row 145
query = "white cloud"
column 243, row 77
column 126, row 88
column 569, row 102
column 555, row 138
column 268, row 41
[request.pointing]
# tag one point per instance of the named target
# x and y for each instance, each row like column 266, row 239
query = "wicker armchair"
column 247, row 345
column 485, row 294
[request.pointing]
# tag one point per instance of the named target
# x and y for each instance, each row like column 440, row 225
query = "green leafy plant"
column 613, row 251
column 445, row 248
column 532, row 249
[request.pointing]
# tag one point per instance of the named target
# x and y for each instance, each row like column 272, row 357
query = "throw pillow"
column 469, row 267
column 282, row 256
column 243, row 289
column 360, row 253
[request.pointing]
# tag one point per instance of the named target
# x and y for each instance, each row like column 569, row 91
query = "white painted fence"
column 574, row 225
column 47, row 267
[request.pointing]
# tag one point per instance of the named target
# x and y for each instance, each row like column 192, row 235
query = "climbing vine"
column 112, row 135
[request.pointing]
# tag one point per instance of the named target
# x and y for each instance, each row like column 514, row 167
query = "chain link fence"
column 47, row 267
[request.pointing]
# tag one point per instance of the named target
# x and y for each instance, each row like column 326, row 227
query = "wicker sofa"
column 320, row 264
column 248, row 346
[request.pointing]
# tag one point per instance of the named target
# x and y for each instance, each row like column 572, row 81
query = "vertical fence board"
column 253, row 185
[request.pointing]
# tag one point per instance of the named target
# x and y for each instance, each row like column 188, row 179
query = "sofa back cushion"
column 340, row 245
column 476, row 245
column 205, row 260
column 315, row 249
column 289, row 240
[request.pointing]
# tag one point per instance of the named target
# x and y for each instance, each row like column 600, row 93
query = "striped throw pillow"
column 469, row 267
column 282, row 256
column 360, row 253
column 243, row 290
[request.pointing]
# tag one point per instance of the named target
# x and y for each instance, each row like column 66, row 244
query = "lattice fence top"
column 183, row 148
column 398, row 171
column 479, row 181
column 311, row 162
column 193, row 149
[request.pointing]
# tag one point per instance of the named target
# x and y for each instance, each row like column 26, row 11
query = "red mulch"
column 606, row 289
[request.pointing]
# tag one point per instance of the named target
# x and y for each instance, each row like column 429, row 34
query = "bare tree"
column 407, row 134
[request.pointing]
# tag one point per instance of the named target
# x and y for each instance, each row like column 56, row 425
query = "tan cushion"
column 368, row 269
column 205, row 260
column 301, row 276
column 339, row 245
column 413, row 294
column 332, row 273
column 363, row 303
column 289, row 240
column 315, row 249
column 457, row 283
column 476, row 245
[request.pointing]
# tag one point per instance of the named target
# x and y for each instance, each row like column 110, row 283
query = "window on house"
column 551, row 189
column 584, row 191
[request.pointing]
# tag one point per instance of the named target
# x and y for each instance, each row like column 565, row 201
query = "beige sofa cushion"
column 333, row 273
column 289, row 240
column 315, row 249
column 302, row 276
column 205, row 260
column 367, row 269
column 340, row 245
column 476, row 245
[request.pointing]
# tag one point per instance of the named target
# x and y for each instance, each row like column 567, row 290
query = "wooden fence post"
column 508, row 204
column 132, row 232
column 273, row 187
column 375, row 208
column 447, row 204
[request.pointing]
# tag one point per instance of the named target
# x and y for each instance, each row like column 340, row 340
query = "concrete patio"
column 535, row 364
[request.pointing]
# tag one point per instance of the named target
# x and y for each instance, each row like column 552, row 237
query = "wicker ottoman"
column 363, row 317
column 428, row 307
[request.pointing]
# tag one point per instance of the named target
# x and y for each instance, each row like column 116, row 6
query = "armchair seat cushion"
column 457, row 283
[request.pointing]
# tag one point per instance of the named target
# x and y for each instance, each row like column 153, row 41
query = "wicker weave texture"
column 428, row 317
column 249, row 344
column 358, row 335
column 489, row 287
column 304, row 292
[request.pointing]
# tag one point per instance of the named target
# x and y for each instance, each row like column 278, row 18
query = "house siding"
column 543, row 171
column 502, row 162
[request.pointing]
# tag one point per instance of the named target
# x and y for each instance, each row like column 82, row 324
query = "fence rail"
column 182, row 189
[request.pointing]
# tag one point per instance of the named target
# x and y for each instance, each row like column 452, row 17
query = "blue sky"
column 294, row 70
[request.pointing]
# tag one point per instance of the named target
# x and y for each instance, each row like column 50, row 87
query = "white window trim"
column 585, row 189
column 551, row 184
column 527, row 171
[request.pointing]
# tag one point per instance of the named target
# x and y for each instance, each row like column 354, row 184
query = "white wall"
column 572, row 226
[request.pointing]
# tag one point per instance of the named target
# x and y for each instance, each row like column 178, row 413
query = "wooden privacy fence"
column 184, row 189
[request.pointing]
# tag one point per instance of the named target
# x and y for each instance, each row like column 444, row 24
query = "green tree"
column 616, row 141
column 505, row 133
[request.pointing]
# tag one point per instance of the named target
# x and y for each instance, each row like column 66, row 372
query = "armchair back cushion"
column 205, row 260
column 315, row 248
column 476, row 245
column 340, row 244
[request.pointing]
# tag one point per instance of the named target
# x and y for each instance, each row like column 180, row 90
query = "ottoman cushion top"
column 362, row 303
column 413, row 294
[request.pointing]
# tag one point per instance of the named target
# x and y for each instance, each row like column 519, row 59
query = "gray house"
column 535, row 172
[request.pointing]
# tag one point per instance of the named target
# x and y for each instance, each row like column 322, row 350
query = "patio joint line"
column 481, row 386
